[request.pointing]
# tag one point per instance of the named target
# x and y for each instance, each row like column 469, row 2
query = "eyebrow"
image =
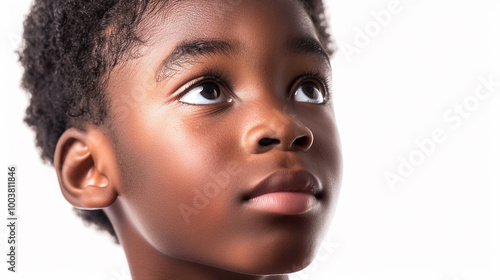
column 186, row 53
column 309, row 45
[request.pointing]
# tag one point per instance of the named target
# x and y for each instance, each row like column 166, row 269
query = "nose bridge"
column 281, row 121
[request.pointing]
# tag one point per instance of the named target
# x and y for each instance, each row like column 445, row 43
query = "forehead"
column 233, row 20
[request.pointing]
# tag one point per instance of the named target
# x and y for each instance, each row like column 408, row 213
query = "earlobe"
column 84, row 168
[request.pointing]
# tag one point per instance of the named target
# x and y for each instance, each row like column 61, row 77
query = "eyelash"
column 319, row 78
column 221, row 78
column 210, row 75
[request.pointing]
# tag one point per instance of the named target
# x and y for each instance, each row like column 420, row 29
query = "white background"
column 441, row 223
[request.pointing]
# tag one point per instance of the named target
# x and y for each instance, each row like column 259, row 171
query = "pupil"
column 309, row 90
column 209, row 92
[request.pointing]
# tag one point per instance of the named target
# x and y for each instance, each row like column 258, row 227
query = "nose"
column 277, row 130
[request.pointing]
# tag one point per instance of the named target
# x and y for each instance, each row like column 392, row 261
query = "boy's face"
column 192, row 118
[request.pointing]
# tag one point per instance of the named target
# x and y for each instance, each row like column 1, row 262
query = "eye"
column 203, row 94
column 309, row 92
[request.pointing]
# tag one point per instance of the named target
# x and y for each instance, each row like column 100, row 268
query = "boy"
column 199, row 133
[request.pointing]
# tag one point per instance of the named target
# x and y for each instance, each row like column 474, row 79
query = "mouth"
column 287, row 192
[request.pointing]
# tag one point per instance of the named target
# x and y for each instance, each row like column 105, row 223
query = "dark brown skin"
column 156, row 153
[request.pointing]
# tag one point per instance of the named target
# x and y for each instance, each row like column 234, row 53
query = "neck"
column 147, row 263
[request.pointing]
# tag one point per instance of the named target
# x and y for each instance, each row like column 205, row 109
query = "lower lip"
column 287, row 203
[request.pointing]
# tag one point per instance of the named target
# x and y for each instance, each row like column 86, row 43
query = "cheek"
column 326, row 153
column 327, row 140
column 166, row 178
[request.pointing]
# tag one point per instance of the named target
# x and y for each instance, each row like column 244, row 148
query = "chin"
column 292, row 258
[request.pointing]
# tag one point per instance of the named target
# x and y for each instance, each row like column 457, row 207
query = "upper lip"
column 286, row 181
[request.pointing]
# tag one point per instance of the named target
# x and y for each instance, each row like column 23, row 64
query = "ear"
column 86, row 168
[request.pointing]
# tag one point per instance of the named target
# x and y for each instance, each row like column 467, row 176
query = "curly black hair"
column 70, row 47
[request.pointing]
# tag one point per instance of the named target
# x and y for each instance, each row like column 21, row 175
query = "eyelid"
column 316, row 77
column 207, row 76
column 185, row 88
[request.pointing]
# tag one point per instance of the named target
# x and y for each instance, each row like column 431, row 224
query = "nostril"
column 268, row 141
column 301, row 141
